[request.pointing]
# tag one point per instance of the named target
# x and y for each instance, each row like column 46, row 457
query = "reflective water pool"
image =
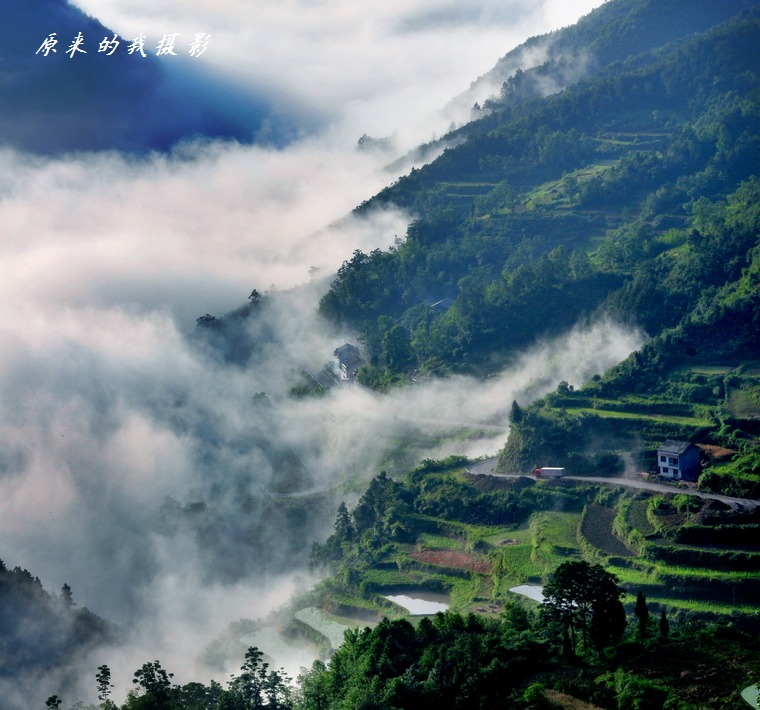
column 749, row 695
column 421, row 602
column 533, row 591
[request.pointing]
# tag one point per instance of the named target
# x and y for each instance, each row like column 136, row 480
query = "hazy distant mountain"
column 54, row 102
column 613, row 32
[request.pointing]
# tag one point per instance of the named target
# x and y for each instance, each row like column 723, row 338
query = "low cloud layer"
column 109, row 404
column 377, row 67
column 144, row 472
column 188, row 234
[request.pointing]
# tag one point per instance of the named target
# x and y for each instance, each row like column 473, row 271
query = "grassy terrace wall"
column 737, row 536
column 705, row 575
column 683, row 556
column 740, row 591
column 597, row 529
column 648, row 409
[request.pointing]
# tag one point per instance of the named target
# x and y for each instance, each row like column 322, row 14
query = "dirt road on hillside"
column 485, row 468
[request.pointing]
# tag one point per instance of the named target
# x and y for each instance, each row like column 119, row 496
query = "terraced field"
column 636, row 517
column 633, row 533
column 330, row 626
column 692, row 421
column 698, row 577
column 453, row 559
column 596, row 527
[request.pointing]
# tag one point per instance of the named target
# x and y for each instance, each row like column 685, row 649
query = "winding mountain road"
column 485, row 468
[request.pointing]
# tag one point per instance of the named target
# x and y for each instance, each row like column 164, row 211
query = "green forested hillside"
column 696, row 380
column 632, row 194
column 605, row 197
column 615, row 31
column 643, row 596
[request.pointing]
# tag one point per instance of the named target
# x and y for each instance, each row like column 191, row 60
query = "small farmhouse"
column 678, row 460
column 349, row 361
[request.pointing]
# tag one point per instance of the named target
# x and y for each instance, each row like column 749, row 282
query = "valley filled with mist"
column 164, row 450
column 117, row 420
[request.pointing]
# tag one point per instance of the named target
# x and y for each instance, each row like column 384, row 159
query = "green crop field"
column 668, row 418
column 704, row 572
column 632, row 576
column 637, row 518
column 700, row 606
column 744, row 401
column 518, row 565
column 441, row 542
column 506, row 536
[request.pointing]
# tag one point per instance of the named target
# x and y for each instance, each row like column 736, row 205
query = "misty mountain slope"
column 564, row 209
column 690, row 84
column 41, row 635
column 612, row 32
column 100, row 101
column 696, row 381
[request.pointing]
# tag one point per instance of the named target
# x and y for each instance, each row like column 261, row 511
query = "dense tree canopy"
column 585, row 598
column 633, row 192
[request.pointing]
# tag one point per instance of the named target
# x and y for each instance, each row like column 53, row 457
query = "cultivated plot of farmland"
column 596, row 527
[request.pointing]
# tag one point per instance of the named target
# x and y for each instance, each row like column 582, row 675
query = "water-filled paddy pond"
column 532, row 591
column 418, row 603
column 749, row 695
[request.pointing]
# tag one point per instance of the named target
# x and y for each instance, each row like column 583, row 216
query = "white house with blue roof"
column 679, row 460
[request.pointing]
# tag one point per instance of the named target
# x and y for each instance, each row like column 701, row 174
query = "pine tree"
column 642, row 613
column 516, row 413
column 103, row 679
column 664, row 625
column 344, row 529
column 67, row 597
